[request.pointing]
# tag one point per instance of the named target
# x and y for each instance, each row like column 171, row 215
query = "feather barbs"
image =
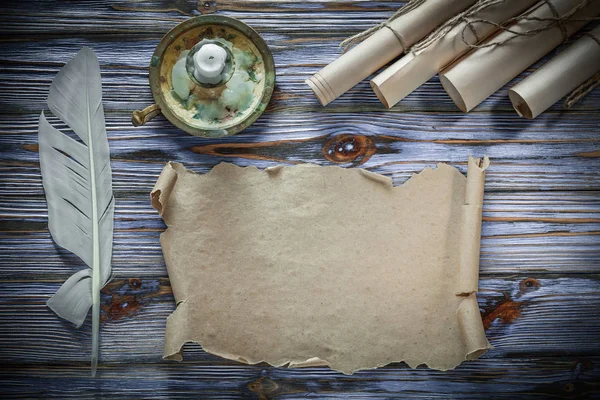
column 77, row 180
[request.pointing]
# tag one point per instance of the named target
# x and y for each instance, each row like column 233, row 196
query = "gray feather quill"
column 78, row 183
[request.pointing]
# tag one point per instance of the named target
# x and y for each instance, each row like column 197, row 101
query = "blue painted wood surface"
column 540, row 261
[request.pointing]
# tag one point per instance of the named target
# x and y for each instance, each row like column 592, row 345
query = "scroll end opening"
column 520, row 105
column 380, row 94
column 453, row 93
column 318, row 91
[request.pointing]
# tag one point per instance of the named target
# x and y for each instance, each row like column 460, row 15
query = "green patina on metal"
column 208, row 111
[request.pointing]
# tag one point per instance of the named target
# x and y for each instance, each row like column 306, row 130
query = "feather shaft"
column 78, row 183
column 95, row 245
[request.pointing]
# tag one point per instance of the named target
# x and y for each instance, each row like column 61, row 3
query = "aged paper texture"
column 307, row 265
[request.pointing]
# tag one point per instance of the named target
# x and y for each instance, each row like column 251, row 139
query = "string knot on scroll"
column 464, row 17
column 555, row 21
column 471, row 24
column 359, row 37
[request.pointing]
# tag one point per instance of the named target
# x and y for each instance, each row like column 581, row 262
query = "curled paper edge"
column 161, row 192
column 176, row 334
column 467, row 278
column 475, row 180
column 159, row 198
column 471, row 328
column 384, row 180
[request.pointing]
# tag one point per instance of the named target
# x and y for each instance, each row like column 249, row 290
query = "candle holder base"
column 210, row 110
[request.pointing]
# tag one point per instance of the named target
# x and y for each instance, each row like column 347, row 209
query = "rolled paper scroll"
column 471, row 327
column 417, row 67
column 382, row 47
column 467, row 279
column 579, row 62
column 476, row 76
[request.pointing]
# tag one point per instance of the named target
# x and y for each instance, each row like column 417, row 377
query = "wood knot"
column 568, row 387
column 528, row 285
column 264, row 387
column 125, row 297
column 506, row 311
column 356, row 149
column 135, row 283
column 121, row 306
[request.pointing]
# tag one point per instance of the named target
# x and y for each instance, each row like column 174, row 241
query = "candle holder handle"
column 140, row 117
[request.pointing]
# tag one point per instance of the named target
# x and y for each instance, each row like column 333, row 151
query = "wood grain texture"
column 528, row 378
column 540, row 274
column 524, row 316
column 552, row 232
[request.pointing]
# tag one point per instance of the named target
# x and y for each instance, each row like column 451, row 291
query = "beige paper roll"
column 414, row 69
column 467, row 278
column 382, row 47
column 471, row 328
column 476, row 168
column 540, row 90
column 473, row 78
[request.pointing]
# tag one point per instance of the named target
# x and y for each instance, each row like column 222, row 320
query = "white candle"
column 209, row 62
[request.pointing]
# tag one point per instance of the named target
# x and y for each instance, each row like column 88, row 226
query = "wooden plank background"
column 540, row 275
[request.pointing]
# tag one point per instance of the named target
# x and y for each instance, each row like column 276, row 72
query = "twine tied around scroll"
column 556, row 21
column 359, row 37
column 582, row 90
column 466, row 17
